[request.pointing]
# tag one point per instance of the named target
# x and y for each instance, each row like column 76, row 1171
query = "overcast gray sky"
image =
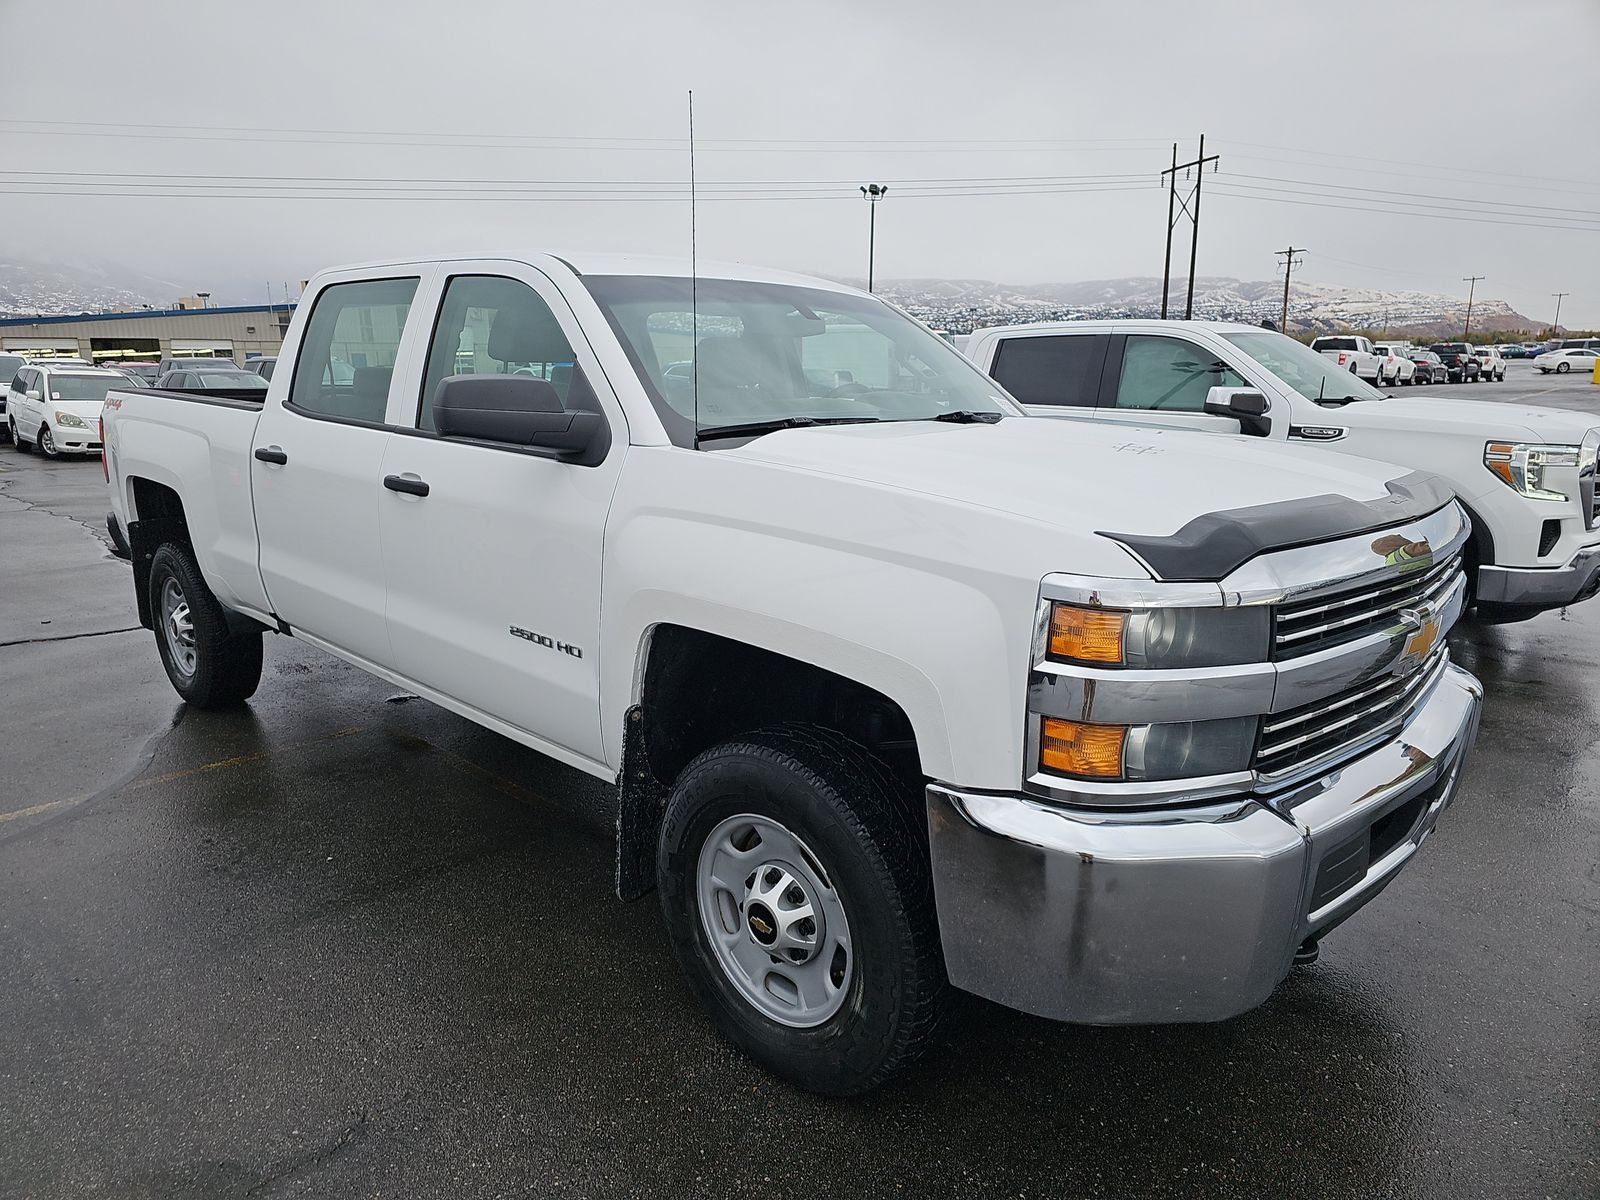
column 1406, row 144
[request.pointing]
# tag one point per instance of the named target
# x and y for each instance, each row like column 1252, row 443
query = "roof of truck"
column 592, row 262
column 1125, row 323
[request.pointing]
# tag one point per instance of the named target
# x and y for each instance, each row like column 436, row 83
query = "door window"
column 1166, row 374
column 491, row 325
column 348, row 353
column 1062, row 370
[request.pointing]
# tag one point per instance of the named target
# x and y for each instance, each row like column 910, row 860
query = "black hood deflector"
column 1211, row 547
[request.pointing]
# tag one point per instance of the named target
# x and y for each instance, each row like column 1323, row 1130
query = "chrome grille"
column 1311, row 625
column 1326, row 728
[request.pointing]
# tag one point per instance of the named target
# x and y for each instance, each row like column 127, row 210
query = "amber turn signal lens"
column 1092, row 635
column 1498, row 459
column 1088, row 751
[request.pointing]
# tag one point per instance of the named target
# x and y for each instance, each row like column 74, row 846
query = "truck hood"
column 1074, row 474
column 1481, row 419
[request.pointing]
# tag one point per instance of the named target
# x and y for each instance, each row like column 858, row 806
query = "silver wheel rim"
column 774, row 921
column 177, row 628
column 46, row 442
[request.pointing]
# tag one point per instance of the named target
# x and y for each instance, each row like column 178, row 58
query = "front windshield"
column 768, row 352
column 81, row 387
column 1303, row 369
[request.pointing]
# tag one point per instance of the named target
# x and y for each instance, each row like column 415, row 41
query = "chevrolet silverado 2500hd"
column 900, row 687
column 1526, row 476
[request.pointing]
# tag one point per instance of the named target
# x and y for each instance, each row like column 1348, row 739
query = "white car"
column 1564, row 361
column 58, row 408
column 1397, row 366
column 1491, row 364
column 1526, row 476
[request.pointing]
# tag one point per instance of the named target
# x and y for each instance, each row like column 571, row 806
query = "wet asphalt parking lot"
column 342, row 943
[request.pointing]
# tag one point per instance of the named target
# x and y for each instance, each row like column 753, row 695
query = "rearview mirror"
column 1247, row 407
column 516, row 410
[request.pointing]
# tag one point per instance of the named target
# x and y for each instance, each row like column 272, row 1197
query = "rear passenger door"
column 1055, row 374
column 494, row 571
column 317, row 465
column 1157, row 379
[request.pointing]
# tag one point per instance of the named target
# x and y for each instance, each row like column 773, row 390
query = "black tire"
column 868, row 832
column 47, row 443
column 23, row 447
column 227, row 664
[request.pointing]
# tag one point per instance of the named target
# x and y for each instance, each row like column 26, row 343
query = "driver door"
column 1162, row 380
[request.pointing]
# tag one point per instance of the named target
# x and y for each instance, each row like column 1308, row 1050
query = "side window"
column 348, row 352
column 491, row 325
column 1171, row 375
column 1061, row 370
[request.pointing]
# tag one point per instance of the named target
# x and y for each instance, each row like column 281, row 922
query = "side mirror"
column 516, row 410
column 35, row 394
column 1243, row 405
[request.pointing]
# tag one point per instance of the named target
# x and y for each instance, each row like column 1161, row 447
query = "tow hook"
column 1307, row 953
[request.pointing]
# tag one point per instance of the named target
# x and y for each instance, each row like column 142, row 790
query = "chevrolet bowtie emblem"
column 760, row 926
column 1425, row 632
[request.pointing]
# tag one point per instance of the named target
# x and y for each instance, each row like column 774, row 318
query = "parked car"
column 58, row 408
column 800, row 629
column 135, row 380
column 1460, row 364
column 1564, row 361
column 1397, row 366
column 178, row 364
column 10, row 364
column 263, row 365
column 1429, row 367
column 204, row 378
column 1354, row 353
column 1580, row 344
column 147, row 371
column 1525, row 475
column 1491, row 366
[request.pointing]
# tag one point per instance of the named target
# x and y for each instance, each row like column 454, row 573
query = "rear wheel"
column 209, row 664
column 793, row 870
column 1563, row 368
column 16, row 440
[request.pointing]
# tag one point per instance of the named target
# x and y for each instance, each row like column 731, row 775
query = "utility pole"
column 1555, row 329
column 1473, row 281
column 1290, row 262
column 872, row 193
column 1198, row 165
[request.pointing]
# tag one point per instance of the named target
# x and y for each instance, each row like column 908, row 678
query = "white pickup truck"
column 899, row 687
column 1526, row 476
column 1353, row 353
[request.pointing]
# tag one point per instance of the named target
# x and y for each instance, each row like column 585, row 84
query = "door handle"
column 271, row 454
column 400, row 483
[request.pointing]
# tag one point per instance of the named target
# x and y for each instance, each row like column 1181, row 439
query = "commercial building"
column 145, row 335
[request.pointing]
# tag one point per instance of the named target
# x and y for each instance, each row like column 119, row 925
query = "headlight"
column 1175, row 750
column 70, row 421
column 1523, row 466
column 1158, row 638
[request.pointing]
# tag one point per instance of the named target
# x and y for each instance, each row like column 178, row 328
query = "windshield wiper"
column 1341, row 401
column 967, row 416
column 757, row 428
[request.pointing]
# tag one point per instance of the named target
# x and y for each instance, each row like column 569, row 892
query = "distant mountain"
column 961, row 305
column 32, row 288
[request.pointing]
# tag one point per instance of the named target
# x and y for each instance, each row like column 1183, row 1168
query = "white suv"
column 58, row 408
column 1490, row 363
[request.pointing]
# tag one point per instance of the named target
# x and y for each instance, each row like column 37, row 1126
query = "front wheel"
column 794, row 877
column 209, row 664
column 47, row 442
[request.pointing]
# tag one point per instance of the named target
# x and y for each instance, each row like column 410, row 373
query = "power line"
column 1227, row 190
column 1519, row 176
column 1586, row 212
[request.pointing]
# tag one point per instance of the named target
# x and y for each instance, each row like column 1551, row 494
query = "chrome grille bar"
column 1354, row 614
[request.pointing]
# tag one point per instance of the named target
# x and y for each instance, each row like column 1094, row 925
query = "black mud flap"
column 641, row 800
column 144, row 539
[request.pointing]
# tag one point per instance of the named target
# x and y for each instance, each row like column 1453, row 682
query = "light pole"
column 204, row 298
column 872, row 193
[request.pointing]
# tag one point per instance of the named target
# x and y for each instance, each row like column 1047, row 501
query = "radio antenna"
column 694, row 287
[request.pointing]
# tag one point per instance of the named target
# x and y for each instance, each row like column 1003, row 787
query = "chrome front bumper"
column 1191, row 914
column 1542, row 587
